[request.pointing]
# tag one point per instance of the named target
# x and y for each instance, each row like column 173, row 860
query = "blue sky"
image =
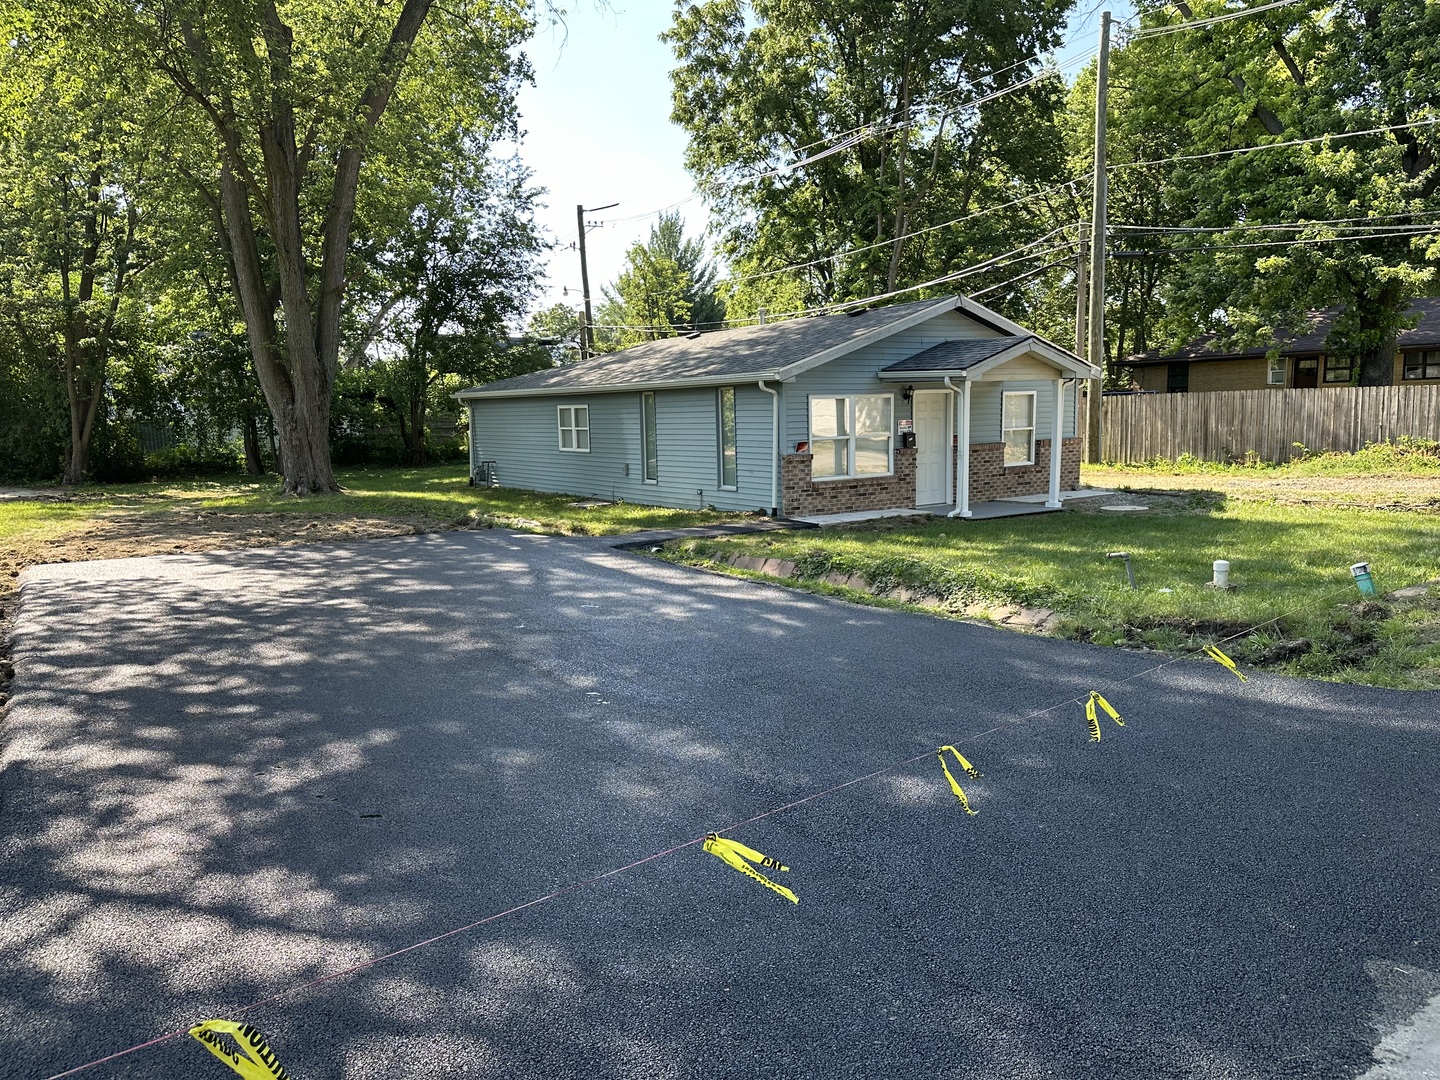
column 597, row 130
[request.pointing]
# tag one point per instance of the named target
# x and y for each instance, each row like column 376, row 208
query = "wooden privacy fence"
column 1228, row 425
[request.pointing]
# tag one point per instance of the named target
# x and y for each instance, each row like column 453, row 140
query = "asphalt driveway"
column 226, row 774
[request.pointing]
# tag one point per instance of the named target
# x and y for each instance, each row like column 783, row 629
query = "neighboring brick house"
column 828, row 414
column 1302, row 361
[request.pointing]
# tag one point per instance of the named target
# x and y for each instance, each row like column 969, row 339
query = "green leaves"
column 830, row 136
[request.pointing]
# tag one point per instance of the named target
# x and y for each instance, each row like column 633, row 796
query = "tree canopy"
column 831, row 139
column 666, row 288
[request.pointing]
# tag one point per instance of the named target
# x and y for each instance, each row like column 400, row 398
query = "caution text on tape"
column 734, row 854
column 1092, row 717
column 254, row 1060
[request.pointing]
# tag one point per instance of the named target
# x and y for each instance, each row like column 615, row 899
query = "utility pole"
column 1096, row 351
column 1082, row 285
column 585, row 319
column 587, row 337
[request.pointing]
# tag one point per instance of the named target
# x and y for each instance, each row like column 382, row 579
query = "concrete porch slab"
column 1083, row 493
column 857, row 516
column 999, row 508
column 1002, row 508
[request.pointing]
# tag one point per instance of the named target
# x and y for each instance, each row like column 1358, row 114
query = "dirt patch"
column 1415, row 494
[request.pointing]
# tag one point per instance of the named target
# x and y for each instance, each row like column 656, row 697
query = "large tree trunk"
column 1377, row 364
column 416, row 449
column 296, row 374
column 250, row 433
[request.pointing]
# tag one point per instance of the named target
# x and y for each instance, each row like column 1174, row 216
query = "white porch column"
column 1057, row 445
column 962, row 448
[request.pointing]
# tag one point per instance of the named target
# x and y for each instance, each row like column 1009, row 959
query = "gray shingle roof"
column 958, row 355
column 1425, row 334
column 753, row 351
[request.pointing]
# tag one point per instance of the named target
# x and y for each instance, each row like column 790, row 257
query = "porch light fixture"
column 908, row 393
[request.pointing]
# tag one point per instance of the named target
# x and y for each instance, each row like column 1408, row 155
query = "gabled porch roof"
column 974, row 357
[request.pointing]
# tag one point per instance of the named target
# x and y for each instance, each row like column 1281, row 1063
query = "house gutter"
column 962, row 448
column 774, row 448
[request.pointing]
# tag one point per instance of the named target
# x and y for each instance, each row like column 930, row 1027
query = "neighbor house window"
column 1276, row 377
column 1177, row 378
column 851, row 436
column 1422, row 365
column 651, row 439
column 729, row 469
column 574, row 428
column 1338, row 369
column 1017, row 427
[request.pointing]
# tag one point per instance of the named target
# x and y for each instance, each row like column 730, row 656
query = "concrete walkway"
column 984, row 511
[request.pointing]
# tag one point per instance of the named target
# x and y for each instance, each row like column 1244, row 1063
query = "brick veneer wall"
column 990, row 479
column 804, row 495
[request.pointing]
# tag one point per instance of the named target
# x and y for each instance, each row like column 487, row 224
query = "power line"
column 1017, row 255
column 1198, row 24
column 1389, row 129
column 1429, row 230
column 1296, row 225
column 1017, row 278
column 735, row 279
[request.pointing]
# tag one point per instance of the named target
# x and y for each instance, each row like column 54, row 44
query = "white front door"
column 932, row 446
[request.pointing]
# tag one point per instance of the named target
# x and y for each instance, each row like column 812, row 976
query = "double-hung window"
column 1422, row 365
column 1276, row 374
column 851, row 436
column 729, row 467
column 574, row 422
column 1017, row 426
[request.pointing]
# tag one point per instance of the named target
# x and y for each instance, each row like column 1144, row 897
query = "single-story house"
column 933, row 404
column 1302, row 361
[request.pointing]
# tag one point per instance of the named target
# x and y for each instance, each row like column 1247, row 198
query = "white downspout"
column 962, row 448
column 774, row 449
column 1057, row 445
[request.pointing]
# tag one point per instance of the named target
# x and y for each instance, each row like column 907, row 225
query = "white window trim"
column 1034, row 421
column 573, row 429
column 720, row 437
column 1280, row 366
column 849, row 400
column 645, row 434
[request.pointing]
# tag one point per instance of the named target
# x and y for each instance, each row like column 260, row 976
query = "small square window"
column 574, row 428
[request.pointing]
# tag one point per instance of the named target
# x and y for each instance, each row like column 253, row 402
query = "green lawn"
column 1290, row 566
column 440, row 494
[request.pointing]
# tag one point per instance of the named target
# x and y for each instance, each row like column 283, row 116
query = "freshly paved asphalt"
column 226, row 774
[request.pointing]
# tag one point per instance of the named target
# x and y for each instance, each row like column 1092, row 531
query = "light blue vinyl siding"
column 985, row 403
column 855, row 373
column 520, row 436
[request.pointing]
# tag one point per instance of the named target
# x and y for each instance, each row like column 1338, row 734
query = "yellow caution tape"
column 1093, row 718
column 734, row 854
column 254, row 1060
column 1220, row 658
column 955, row 787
